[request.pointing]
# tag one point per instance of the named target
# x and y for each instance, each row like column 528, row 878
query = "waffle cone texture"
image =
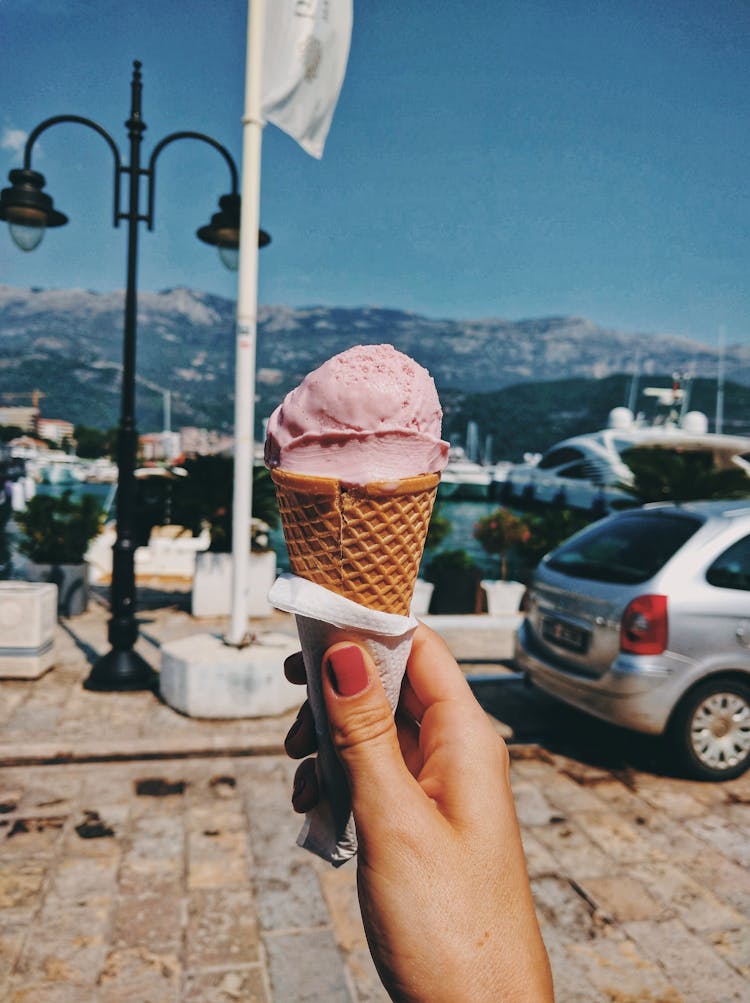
column 364, row 542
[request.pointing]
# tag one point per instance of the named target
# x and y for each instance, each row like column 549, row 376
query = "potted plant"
column 455, row 577
column 56, row 531
column 498, row 533
column 438, row 530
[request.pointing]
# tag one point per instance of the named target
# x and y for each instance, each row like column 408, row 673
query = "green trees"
column 58, row 530
column 663, row 474
column 205, row 495
column 91, row 443
column 498, row 532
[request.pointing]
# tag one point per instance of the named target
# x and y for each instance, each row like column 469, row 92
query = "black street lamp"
column 29, row 211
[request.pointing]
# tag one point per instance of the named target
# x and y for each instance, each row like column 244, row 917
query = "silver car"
column 643, row 619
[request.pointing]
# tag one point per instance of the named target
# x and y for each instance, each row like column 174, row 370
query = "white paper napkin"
column 323, row 618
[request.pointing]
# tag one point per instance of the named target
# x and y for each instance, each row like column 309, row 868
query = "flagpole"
column 247, row 323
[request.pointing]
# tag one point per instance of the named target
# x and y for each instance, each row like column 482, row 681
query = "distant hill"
column 529, row 417
column 68, row 343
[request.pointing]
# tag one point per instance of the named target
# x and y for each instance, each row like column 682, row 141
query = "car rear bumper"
column 635, row 692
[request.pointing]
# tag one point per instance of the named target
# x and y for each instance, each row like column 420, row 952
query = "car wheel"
column 711, row 729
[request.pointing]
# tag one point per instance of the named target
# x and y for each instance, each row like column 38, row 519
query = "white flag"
column 306, row 46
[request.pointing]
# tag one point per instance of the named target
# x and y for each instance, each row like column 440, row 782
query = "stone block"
column 317, row 973
column 53, row 992
column 203, row 677
column 136, row 973
column 20, row 882
column 245, row 984
column 617, row 969
column 693, row 967
column 28, row 616
column 476, row 636
column 222, row 929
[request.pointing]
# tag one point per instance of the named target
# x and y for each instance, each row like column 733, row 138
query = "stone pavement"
column 148, row 857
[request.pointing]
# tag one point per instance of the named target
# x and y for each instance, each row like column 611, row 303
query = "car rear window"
column 625, row 550
column 731, row 570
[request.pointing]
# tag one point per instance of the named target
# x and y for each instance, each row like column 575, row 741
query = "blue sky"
column 507, row 159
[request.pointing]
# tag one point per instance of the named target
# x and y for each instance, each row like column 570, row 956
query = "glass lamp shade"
column 27, row 226
column 230, row 257
column 26, row 238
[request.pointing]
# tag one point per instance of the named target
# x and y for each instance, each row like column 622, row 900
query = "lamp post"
column 29, row 211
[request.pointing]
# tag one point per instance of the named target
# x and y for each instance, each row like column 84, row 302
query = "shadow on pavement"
column 89, row 651
column 536, row 717
column 148, row 598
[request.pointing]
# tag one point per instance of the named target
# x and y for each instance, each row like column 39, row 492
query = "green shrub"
column 500, row 531
column 664, row 474
column 206, row 495
column 438, row 529
column 57, row 530
column 456, row 579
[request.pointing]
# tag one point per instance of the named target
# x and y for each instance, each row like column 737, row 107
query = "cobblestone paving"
column 177, row 880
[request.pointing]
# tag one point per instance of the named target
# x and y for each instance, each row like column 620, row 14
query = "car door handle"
column 743, row 634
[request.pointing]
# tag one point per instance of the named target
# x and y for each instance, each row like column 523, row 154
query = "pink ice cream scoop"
column 368, row 414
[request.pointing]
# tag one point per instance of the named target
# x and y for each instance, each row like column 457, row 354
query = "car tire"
column 710, row 731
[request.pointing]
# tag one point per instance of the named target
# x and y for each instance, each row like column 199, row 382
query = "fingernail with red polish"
column 347, row 671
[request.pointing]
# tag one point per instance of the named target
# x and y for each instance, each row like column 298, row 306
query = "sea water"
column 462, row 515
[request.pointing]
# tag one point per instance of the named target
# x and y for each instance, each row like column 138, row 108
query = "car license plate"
column 565, row 635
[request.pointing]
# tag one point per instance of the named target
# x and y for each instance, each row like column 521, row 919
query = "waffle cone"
column 363, row 542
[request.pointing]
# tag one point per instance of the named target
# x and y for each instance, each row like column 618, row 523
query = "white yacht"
column 464, row 479
column 588, row 472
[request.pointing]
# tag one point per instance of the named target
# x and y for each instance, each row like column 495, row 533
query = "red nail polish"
column 348, row 671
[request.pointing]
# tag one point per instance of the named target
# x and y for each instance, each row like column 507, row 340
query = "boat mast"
column 633, row 395
column 719, row 423
column 686, row 386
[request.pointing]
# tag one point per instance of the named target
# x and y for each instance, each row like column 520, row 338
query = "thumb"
column 363, row 731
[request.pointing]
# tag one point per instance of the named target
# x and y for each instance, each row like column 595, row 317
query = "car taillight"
column 643, row 630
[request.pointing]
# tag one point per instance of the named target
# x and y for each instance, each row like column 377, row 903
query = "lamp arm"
column 170, row 139
column 78, row 119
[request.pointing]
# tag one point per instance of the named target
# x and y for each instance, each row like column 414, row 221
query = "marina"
column 589, row 472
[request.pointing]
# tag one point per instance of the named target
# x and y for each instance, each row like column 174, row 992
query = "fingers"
column 408, row 739
column 364, row 735
column 432, row 671
column 409, row 703
column 294, row 669
column 456, row 739
column 300, row 740
column 305, row 793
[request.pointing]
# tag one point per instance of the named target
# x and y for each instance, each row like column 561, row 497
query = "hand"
column 441, row 874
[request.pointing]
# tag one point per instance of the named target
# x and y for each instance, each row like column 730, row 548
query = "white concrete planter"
column 212, row 584
column 420, row 603
column 203, row 677
column 502, row 597
column 28, row 616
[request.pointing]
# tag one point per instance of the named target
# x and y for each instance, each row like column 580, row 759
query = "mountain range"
column 68, row 344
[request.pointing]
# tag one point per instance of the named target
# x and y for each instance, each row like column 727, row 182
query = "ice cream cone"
column 355, row 452
column 362, row 542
